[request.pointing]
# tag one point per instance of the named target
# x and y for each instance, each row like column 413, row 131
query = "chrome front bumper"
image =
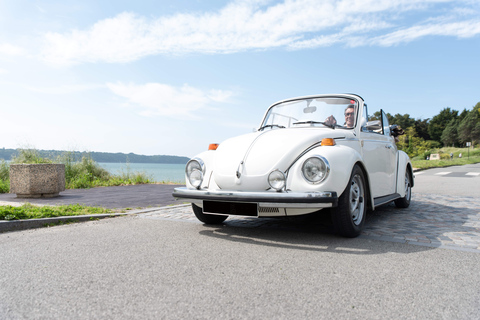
column 264, row 199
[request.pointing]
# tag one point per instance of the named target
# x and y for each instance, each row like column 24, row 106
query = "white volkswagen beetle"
column 309, row 154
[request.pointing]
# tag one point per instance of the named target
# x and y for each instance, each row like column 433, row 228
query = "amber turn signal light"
column 213, row 146
column 328, row 142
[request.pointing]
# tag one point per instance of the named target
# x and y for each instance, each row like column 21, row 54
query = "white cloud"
column 66, row 89
column 10, row 49
column 465, row 29
column 255, row 25
column 161, row 99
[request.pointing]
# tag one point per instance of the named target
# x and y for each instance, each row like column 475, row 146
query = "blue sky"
column 170, row 77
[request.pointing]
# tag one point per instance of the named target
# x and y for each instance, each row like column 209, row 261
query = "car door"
column 380, row 156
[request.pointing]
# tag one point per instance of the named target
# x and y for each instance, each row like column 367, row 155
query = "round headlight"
column 276, row 179
column 194, row 170
column 315, row 169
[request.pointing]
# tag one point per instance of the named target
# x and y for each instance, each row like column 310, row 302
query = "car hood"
column 244, row 162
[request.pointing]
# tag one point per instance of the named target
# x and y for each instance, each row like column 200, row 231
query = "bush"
column 4, row 170
column 4, row 186
column 4, row 177
column 29, row 156
column 83, row 174
column 135, row 177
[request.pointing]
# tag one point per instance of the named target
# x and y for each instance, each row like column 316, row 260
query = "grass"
column 445, row 161
column 29, row 211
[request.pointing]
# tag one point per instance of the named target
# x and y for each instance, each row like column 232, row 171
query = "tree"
column 421, row 127
column 439, row 122
column 404, row 121
column 449, row 134
column 378, row 116
column 412, row 144
column 469, row 128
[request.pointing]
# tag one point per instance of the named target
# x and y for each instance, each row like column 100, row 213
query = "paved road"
column 138, row 268
column 462, row 181
column 165, row 264
column 136, row 196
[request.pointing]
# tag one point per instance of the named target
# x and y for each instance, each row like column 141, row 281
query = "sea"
column 160, row 172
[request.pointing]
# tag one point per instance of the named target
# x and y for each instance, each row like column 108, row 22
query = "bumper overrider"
column 263, row 199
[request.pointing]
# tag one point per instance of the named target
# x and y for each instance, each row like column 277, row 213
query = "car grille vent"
column 268, row 210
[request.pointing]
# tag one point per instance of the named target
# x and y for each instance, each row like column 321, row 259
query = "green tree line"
column 449, row 128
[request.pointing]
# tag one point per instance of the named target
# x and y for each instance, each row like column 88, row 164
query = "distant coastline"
column 108, row 157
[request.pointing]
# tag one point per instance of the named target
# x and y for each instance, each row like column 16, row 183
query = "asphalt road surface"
column 133, row 196
column 142, row 268
column 450, row 181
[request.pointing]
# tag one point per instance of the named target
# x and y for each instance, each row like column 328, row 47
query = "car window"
column 385, row 124
column 364, row 119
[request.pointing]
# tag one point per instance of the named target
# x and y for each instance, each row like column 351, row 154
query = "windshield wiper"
column 316, row 122
column 271, row 126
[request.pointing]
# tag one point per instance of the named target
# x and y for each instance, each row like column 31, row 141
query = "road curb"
column 17, row 225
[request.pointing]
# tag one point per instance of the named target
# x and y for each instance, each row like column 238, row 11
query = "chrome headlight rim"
column 195, row 171
column 326, row 171
column 277, row 176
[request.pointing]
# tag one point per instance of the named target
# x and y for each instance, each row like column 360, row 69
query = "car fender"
column 341, row 160
column 208, row 159
column 403, row 164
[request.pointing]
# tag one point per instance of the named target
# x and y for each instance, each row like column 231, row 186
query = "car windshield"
column 331, row 112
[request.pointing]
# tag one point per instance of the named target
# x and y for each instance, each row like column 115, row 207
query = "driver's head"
column 350, row 116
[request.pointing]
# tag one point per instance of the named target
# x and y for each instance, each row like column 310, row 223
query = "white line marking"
column 442, row 173
column 473, row 174
column 417, row 173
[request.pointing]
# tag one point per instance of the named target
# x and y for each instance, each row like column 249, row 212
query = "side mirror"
column 374, row 125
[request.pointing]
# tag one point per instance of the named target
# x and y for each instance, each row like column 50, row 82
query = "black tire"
column 349, row 216
column 405, row 201
column 207, row 218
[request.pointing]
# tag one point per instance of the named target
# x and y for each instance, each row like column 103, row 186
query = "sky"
column 158, row 77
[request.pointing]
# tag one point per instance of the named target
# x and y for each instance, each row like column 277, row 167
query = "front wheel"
column 207, row 218
column 349, row 217
column 405, row 201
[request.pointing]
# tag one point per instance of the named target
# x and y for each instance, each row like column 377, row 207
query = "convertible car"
column 310, row 155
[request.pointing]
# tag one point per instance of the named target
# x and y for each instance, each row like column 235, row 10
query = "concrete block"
column 37, row 180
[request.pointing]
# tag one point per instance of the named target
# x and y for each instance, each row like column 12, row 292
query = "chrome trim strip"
column 310, row 148
column 267, row 199
column 313, row 146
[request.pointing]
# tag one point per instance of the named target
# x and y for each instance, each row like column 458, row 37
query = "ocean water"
column 158, row 171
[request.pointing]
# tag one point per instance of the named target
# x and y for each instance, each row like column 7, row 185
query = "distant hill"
column 102, row 156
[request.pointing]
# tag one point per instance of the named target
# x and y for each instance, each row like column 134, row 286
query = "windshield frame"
column 355, row 100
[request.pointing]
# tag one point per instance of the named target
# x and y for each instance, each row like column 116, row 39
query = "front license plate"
column 231, row 208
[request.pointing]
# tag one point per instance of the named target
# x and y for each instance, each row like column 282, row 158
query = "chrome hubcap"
column 357, row 203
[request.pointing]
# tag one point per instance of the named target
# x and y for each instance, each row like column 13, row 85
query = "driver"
column 349, row 117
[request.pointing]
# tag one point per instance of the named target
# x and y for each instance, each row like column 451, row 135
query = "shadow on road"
column 303, row 237
column 430, row 222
